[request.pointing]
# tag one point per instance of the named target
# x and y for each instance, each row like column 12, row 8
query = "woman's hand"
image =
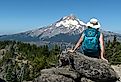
column 71, row 50
column 104, row 59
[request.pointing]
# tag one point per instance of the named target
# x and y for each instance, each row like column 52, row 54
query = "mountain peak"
column 70, row 17
column 64, row 28
column 71, row 22
column 66, row 25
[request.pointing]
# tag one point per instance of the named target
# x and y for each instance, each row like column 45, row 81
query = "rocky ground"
column 75, row 67
column 117, row 68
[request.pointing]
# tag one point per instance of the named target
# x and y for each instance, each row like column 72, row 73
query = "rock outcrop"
column 75, row 67
column 117, row 68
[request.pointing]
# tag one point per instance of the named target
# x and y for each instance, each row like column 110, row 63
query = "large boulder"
column 53, row 78
column 76, row 67
column 93, row 68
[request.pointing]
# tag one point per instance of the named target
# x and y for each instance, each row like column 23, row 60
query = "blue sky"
column 23, row 15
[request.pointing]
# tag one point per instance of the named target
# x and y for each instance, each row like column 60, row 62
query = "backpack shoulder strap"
column 98, row 33
column 83, row 34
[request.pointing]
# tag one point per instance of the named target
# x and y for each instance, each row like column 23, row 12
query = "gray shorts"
column 90, row 54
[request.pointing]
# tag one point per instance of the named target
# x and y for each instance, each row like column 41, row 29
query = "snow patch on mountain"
column 66, row 25
column 70, row 22
column 67, row 28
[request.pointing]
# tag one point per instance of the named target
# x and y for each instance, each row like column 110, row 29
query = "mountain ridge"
column 68, row 27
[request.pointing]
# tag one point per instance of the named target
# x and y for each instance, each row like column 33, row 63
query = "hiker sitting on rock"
column 92, row 41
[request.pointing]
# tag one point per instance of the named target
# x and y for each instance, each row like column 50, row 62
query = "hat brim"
column 93, row 26
column 96, row 26
column 89, row 24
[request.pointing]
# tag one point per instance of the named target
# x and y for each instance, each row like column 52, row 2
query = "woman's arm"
column 78, row 43
column 102, row 45
column 101, row 39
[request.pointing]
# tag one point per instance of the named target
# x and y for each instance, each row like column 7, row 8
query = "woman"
column 92, row 41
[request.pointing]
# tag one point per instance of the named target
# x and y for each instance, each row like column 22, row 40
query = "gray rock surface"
column 117, row 68
column 53, row 78
column 75, row 67
column 93, row 68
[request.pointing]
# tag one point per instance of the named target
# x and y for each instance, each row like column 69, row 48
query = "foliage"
column 24, row 61
column 113, row 51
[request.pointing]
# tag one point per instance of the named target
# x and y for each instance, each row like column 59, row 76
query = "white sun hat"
column 89, row 24
column 97, row 26
column 94, row 20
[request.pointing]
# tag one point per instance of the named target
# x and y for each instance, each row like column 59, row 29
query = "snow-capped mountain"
column 66, row 25
column 67, row 29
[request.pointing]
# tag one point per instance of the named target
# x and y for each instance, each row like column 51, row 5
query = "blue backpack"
column 91, row 40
